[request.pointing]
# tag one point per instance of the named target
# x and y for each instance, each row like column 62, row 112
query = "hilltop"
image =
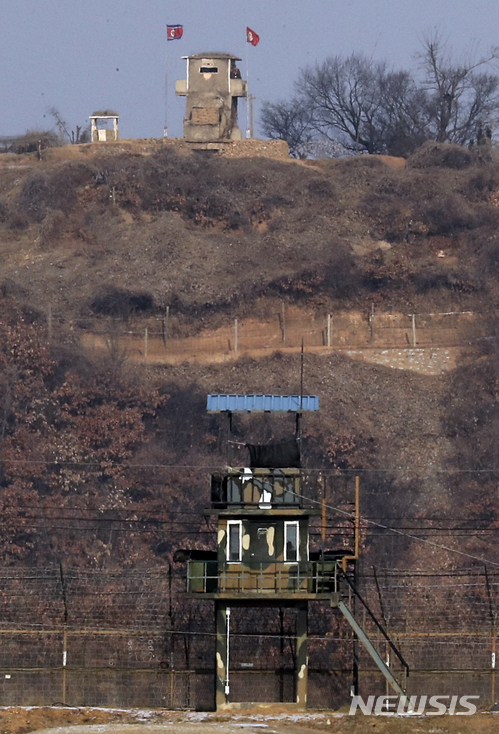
column 209, row 235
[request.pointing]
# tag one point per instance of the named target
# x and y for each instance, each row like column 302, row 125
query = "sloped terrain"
column 208, row 236
column 115, row 236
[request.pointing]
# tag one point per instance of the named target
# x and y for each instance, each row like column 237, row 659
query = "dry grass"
column 211, row 235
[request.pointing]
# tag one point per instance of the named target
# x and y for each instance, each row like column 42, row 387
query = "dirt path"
column 59, row 720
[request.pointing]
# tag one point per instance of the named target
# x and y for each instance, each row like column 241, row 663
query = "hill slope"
column 121, row 234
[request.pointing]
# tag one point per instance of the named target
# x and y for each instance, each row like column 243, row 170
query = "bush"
column 10, row 289
column 430, row 279
column 434, row 278
column 52, row 228
column 29, row 142
column 489, row 256
column 447, row 215
column 17, row 221
column 321, row 189
column 446, row 155
column 478, row 187
column 121, row 303
column 55, row 190
column 341, row 274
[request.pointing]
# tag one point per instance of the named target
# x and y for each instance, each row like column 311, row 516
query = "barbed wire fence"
column 161, row 340
column 134, row 640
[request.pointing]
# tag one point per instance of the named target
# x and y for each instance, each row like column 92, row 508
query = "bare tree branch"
column 289, row 121
column 462, row 95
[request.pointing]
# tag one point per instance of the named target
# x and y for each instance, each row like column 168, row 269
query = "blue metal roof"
column 261, row 403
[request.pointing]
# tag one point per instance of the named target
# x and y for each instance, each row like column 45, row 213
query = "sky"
column 82, row 55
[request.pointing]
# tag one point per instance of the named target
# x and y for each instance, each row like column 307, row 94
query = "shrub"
column 17, row 221
column 447, row 215
column 434, row 278
column 55, row 190
column 321, row 189
column 445, row 155
column 121, row 303
column 341, row 274
column 482, row 184
column 52, row 228
column 29, row 142
column 430, row 279
column 10, row 289
column 489, row 256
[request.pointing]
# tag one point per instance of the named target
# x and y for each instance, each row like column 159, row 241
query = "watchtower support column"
column 221, row 654
column 302, row 654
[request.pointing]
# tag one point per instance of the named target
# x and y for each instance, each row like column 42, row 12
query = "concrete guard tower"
column 100, row 133
column 262, row 557
column 212, row 88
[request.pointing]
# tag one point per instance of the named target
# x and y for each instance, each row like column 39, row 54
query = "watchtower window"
column 234, row 541
column 291, row 554
column 208, row 70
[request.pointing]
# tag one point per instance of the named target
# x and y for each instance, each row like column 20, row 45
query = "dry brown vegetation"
column 210, row 235
column 120, row 235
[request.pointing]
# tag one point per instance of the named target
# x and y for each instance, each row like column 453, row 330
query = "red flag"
column 174, row 31
column 252, row 37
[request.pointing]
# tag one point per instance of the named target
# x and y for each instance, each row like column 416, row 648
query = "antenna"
column 299, row 414
column 301, row 376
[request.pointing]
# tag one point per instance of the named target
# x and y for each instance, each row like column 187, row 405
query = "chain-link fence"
column 134, row 640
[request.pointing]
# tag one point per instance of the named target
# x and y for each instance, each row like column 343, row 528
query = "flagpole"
column 247, row 90
column 165, row 128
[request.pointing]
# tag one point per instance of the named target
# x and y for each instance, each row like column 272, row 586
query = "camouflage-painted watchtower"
column 262, row 557
column 212, row 88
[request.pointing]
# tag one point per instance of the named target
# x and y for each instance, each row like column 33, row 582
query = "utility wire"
column 217, row 467
column 440, row 546
column 338, row 510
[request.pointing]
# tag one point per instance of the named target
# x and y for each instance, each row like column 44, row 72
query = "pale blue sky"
column 82, row 55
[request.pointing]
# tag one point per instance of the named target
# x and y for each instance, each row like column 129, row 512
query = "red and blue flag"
column 174, row 32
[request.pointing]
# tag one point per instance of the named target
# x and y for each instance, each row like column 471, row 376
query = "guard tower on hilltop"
column 212, row 89
column 99, row 126
column 262, row 557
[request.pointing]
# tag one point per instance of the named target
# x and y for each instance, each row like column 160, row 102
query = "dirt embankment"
column 20, row 720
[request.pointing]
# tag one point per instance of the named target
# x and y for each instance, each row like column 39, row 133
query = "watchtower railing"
column 264, row 488
column 279, row 577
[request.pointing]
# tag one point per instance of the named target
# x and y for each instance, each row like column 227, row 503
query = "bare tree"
column 79, row 135
column 404, row 118
column 368, row 107
column 345, row 99
column 462, row 95
column 289, row 121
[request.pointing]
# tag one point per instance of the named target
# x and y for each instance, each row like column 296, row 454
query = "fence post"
column 64, row 662
column 146, row 343
column 64, row 633
column 492, row 614
column 323, row 511
column 165, row 325
column 371, row 322
column 236, row 336
column 493, row 665
column 329, row 329
column 283, row 321
column 49, row 323
column 413, row 329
